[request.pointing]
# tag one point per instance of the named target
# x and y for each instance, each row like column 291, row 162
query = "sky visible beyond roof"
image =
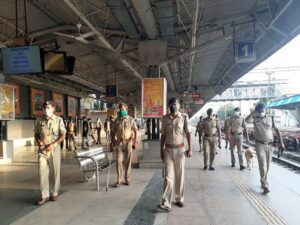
column 288, row 56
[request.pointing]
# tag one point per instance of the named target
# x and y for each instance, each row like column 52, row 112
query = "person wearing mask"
column 71, row 133
column 172, row 150
column 197, row 132
column 124, row 138
column 234, row 133
column 211, row 130
column 85, row 133
column 263, row 125
column 49, row 132
column 98, row 129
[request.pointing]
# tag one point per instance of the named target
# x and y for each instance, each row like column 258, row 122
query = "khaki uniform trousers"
column 200, row 142
column 264, row 154
column 211, row 144
column 236, row 141
column 71, row 138
column 49, row 164
column 124, row 158
column 174, row 161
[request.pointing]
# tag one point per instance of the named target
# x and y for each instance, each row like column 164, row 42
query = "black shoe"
column 164, row 208
column 226, row 146
column 180, row 204
column 266, row 190
column 232, row 165
column 211, row 168
column 205, row 168
column 242, row 167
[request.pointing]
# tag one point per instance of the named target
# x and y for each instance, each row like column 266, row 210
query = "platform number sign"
column 245, row 51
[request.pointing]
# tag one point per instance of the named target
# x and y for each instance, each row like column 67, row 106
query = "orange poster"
column 72, row 106
column 37, row 101
column 58, row 100
column 154, row 97
column 7, row 105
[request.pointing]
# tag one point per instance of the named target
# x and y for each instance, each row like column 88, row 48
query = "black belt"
column 264, row 143
column 236, row 133
column 207, row 135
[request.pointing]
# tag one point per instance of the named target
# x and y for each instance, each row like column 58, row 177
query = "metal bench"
column 92, row 161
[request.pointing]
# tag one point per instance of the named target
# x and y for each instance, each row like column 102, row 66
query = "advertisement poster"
column 72, row 106
column 37, row 100
column 58, row 99
column 154, row 97
column 7, row 98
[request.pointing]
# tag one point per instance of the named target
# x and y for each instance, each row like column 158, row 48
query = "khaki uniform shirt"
column 49, row 130
column 122, row 129
column 71, row 127
column 175, row 128
column 263, row 128
column 210, row 126
column 236, row 125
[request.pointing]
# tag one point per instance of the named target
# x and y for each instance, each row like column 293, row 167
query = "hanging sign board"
column 154, row 97
column 245, row 51
column 111, row 93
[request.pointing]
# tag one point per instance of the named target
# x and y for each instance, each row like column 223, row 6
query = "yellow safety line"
column 266, row 212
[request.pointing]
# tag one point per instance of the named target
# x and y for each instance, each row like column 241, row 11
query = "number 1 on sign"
column 245, row 50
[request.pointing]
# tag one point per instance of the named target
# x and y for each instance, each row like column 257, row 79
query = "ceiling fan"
column 80, row 37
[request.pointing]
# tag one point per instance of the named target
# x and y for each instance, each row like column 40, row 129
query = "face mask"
column 49, row 113
column 123, row 113
column 173, row 109
column 236, row 113
column 263, row 114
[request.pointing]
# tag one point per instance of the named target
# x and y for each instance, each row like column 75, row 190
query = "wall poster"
column 72, row 107
column 7, row 100
column 58, row 100
column 154, row 97
column 37, row 101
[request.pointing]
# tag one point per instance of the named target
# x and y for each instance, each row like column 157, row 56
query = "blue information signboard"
column 245, row 51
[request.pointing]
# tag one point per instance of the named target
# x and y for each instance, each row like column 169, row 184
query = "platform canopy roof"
column 199, row 35
column 289, row 103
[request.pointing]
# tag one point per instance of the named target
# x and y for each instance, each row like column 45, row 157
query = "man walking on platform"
column 234, row 133
column 211, row 130
column 197, row 132
column 98, row 129
column 124, row 138
column 263, row 125
column 174, row 128
column 49, row 132
column 71, row 133
column 85, row 133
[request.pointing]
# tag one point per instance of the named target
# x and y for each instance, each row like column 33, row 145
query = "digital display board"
column 21, row 60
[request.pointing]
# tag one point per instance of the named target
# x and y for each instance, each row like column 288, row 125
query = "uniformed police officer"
column 124, row 138
column 197, row 132
column 234, row 132
column 174, row 128
column 226, row 123
column 263, row 134
column 49, row 133
column 211, row 130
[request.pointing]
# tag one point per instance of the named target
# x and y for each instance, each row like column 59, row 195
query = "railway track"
column 287, row 159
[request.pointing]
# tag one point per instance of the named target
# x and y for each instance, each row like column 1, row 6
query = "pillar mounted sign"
column 154, row 97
